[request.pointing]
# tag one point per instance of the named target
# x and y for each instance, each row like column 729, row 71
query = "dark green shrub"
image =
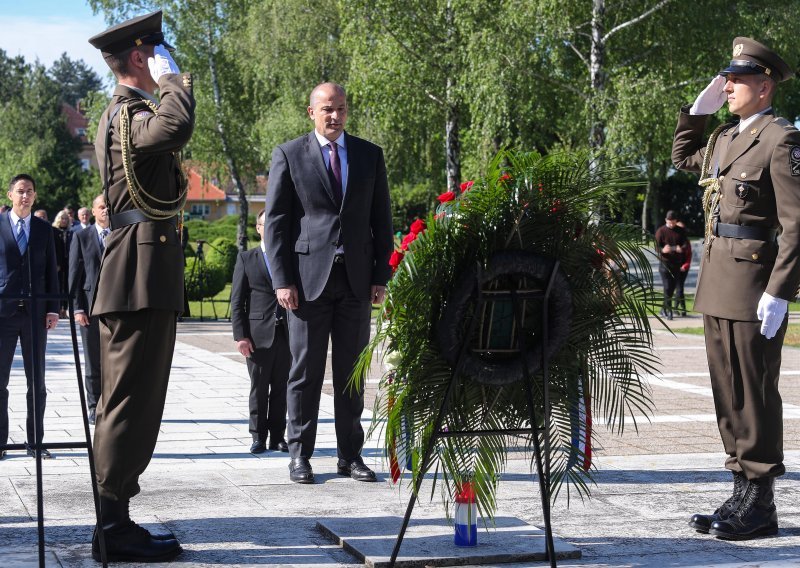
column 203, row 280
column 222, row 252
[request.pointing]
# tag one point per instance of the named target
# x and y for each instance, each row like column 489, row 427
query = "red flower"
column 504, row 177
column 395, row 260
column 417, row 226
column 466, row 186
column 446, row 196
column 407, row 240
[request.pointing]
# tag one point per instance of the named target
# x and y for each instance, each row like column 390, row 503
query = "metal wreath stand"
column 519, row 267
column 33, row 301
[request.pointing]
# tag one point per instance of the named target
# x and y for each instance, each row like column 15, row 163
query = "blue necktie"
column 22, row 239
column 103, row 234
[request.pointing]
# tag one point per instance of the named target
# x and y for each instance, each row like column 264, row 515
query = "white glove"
column 771, row 312
column 712, row 98
column 161, row 63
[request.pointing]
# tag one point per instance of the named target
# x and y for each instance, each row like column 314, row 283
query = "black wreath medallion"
column 493, row 356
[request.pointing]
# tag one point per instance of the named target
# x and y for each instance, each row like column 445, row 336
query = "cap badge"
column 737, row 49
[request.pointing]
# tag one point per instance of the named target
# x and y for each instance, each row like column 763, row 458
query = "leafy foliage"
column 526, row 202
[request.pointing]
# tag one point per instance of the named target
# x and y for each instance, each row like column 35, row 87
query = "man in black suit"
column 27, row 262
column 84, row 266
column 329, row 228
column 259, row 329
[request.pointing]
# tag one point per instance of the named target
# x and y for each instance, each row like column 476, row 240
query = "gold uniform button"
column 755, row 256
column 162, row 238
column 744, row 174
column 721, row 178
column 754, row 131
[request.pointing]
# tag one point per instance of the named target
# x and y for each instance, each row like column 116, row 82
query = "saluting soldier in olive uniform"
column 140, row 286
column 751, row 174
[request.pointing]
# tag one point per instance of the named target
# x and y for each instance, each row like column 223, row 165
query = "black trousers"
column 13, row 328
column 745, row 368
column 339, row 316
column 269, row 373
column 136, row 351
column 669, row 278
column 90, row 338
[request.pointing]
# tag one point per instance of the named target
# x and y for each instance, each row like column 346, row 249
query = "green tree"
column 75, row 78
column 33, row 135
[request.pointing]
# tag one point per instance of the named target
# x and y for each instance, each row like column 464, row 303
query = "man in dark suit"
column 85, row 255
column 259, row 329
column 140, row 287
column 329, row 238
column 27, row 262
column 751, row 171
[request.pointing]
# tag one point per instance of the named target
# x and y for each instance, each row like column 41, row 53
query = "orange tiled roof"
column 202, row 189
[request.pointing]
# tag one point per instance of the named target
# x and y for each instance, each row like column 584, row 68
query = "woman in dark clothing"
column 63, row 238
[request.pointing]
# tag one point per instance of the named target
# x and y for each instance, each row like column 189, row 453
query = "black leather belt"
column 744, row 232
column 133, row 216
column 338, row 259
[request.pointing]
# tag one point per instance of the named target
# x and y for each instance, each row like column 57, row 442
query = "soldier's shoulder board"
column 783, row 123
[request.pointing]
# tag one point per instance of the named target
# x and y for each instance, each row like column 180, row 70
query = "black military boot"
column 703, row 522
column 128, row 542
column 756, row 515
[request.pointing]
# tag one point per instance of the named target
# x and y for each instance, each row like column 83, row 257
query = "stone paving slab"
column 231, row 508
column 429, row 542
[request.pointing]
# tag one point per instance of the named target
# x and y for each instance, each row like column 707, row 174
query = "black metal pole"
column 437, row 426
column 89, row 450
column 544, row 479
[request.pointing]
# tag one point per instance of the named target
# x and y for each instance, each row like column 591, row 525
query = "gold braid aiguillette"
column 712, row 187
column 137, row 193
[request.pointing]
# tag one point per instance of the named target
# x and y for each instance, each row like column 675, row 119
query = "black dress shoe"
column 46, row 455
column 131, row 543
column 92, row 416
column 258, row 447
column 755, row 517
column 702, row 523
column 300, row 470
column 356, row 469
column 279, row 446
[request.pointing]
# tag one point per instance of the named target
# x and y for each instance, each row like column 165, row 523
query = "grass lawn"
column 792, row 334
column 221, row 303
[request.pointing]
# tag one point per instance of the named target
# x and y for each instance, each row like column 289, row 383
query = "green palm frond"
column 540, row 204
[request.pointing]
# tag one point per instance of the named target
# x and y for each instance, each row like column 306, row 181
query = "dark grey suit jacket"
column 253, row 301
column 303, row 224
column 14, row 269
column 84, row 266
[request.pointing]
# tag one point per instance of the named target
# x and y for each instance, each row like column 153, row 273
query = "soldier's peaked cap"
column 751, row 57
column 142, row 30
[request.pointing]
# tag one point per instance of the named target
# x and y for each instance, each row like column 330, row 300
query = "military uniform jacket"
column 759, row 172
column 143, row 263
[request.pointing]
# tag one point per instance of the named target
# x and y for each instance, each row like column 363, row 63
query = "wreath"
column 510, row 229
